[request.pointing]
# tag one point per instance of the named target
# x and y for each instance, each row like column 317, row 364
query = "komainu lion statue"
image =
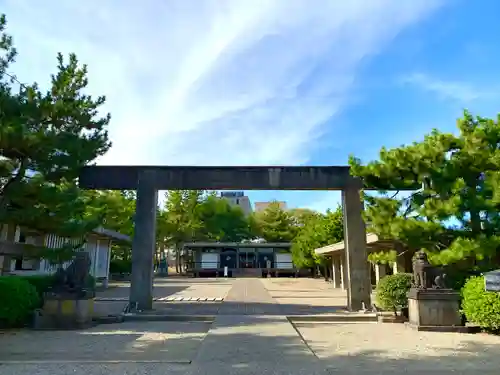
column 426, row 276
column 75, row 278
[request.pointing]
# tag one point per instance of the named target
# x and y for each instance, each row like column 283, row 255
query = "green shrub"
column 456, row 277
column 392, row 290
column 479, row 306
column 18, row 299
column 42, row 283
column 120, row 266
column 91, row 282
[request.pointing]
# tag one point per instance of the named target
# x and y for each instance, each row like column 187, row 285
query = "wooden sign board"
column 492, row 281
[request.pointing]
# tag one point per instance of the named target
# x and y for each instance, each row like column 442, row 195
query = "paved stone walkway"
column 249, row 297
column 250, row 335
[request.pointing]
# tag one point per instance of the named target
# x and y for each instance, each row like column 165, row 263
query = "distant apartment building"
column 261, row 206
column 238, row 198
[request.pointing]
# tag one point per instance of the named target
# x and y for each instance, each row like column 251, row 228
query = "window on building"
column 24, row 263
column 22, row 237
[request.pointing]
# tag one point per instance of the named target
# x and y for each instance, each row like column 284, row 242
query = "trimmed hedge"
column 41, row 282
column 18, row 299
column 479, row 306
column 392, row 290
column 117, row 266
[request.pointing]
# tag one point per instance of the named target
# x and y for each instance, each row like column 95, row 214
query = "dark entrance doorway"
column 247, row 259
column 147, row 180
column 228, row 258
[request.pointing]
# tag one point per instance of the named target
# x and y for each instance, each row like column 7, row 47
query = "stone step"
column 166, row 299
column 340, row 317
column 165, row 317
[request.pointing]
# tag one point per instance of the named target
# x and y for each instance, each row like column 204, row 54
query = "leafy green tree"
column 300, row 216
column 182, row 222
column 222, row 221
column 318, row 231
column 113, row 210
column 453, row 212
column 274, row 224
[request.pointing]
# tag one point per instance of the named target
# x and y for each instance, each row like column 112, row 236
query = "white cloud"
column 211, row 82
column 455, row 90
column 325, row 201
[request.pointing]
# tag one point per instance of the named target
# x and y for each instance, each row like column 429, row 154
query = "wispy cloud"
column 212, row 82
column 455, row 90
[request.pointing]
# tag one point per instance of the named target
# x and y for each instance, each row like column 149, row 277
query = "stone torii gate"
column 147, row 180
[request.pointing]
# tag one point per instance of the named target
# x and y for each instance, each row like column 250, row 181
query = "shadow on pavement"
column 247, row 308
column 159, row 341
column 122, row 291
column 241, row 346
column 473, row 359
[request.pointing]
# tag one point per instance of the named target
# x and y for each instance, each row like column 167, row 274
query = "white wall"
column 101, row 260
column 284, row 261
column 98, row 249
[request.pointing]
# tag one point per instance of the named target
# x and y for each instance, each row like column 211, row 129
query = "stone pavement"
column 250, row 335
column 171, row 342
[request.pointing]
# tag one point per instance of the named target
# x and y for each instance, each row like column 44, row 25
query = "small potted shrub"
column 391, row 295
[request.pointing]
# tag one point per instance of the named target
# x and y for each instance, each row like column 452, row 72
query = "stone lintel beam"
column 219, row 178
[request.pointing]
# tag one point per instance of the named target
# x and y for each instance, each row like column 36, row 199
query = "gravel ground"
column 93, row 369
column 175, row 342
column 377, row 348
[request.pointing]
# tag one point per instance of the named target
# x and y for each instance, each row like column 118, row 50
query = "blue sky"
column 276, row 82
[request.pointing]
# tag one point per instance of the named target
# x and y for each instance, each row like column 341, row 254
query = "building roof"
column 111, row 234
column 15, row 248
column 373, row 243
column 237, row 244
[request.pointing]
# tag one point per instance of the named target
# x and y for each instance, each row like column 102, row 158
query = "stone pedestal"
column 65, row 311
column 434, row 310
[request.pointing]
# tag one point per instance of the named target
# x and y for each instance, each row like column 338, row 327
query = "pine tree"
column 453, row 212
column 45, row 138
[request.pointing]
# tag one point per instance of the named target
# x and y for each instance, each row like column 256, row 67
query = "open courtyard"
column 252, row 326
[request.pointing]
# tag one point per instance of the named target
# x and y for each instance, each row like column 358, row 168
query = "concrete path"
column 250, row 335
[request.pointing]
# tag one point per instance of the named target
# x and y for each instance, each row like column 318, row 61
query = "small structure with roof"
column 97, row 243
column 336, row 253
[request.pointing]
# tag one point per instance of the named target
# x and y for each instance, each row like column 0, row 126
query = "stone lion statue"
column 76, row 276
column 426, row 276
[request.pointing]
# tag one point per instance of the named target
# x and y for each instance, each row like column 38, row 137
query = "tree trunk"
column 177, row 258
